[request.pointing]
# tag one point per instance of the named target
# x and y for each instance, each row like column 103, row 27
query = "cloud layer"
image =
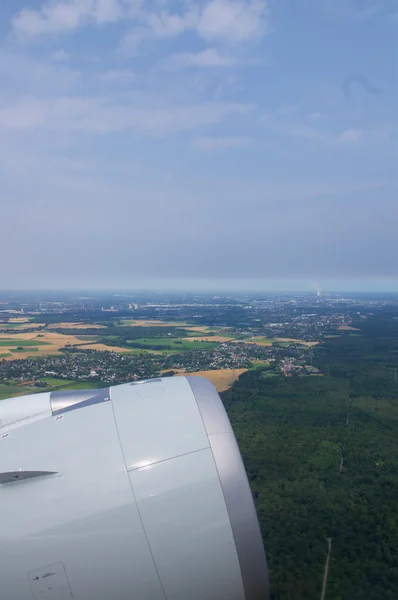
column 196, row 139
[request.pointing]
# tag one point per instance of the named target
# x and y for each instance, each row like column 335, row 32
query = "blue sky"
column 199, row 143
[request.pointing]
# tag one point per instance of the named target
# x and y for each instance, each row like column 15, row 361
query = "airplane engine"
column 132, row 492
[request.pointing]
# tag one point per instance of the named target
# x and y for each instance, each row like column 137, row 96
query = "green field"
column 66, row 384
column 8, row 391
column 22, row 349
column 139, row 351
column 176, row 344
column 54, row 382
column 260, row 364
column 263, row 341
column 5, row 355
column 86, row 385
column 11, row 343
column 12, row 390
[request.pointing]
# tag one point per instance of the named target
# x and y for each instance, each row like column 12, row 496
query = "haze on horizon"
column 211, row 144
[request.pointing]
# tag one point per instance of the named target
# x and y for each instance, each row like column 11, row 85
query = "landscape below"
column 312, row 395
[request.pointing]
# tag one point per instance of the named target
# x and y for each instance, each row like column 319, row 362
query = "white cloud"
column 97, row 116
column 350, row 135
column 63, row 16
column 223, row 21
column 233, row 21
column 226, row 21
column 131, row 42
column 157, row 25
column 206, row 58
column 61, row 55
column 166, row 24
column 222, row 143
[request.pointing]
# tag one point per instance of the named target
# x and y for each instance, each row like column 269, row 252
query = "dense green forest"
column 293, row 434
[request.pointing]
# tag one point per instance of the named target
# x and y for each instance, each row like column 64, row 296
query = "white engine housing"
column 134, row 492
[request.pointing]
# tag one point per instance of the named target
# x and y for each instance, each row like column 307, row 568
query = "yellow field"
column 260, row 341
column 102, row 348
column 146, row 323
column 19, row 320
column 24, row 324
column 222, row 379
column 55, row 341
column 308, row 344
column 348, row 328
column 63, row 325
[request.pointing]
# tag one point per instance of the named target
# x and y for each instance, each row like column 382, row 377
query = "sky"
column 198, row 144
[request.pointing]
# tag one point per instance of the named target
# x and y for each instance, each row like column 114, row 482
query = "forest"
column 322, row 458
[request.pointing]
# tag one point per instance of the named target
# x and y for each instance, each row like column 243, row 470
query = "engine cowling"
column 133, row 491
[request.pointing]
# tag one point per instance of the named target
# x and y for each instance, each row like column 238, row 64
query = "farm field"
column 105, row 348
column 147, row 323
column 210, row 338
column 19, row 320
column 11, row 343
column 154, row 323
column 8, row 391
column 176, row 344
column 222, row 379
column 261, row 341
column 294, row 341
column 260, row 363
column 45, row 343
column 17, row 389
column 66, row 325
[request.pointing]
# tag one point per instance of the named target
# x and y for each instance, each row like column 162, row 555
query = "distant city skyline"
column 198, row 141
column 220, row 286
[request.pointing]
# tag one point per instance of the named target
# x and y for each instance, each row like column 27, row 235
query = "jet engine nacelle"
column 133, row 492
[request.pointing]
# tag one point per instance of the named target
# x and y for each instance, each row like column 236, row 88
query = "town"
column 52, row 341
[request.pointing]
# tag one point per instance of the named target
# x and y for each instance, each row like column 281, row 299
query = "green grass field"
column 8, row 391
column 16, row 350
column 86, row 385
column 12, row 390
column 12, row 343
column 260, row 364
column 263, row 341
column 139, row 351
column 177, row 344
column 66, row 384
column 53, row 381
